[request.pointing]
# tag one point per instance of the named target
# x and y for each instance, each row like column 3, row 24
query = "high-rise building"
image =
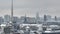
column 7, row 18
column 25, row 20
column 15, row 19
column 1, row 20
column 55, row 18
column 48, row 17
column 45, row 18
column 37, row 18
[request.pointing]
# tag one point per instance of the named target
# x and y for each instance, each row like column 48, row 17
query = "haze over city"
column 30, row 7
column 29, row 16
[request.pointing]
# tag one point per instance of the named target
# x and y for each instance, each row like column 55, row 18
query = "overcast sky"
column 31, row 7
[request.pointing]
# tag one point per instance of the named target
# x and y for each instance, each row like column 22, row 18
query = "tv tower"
column 12, row 11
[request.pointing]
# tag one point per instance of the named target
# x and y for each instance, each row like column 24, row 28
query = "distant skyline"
column 31, row 7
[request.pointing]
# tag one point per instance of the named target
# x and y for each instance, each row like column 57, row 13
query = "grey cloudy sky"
column 30, row 7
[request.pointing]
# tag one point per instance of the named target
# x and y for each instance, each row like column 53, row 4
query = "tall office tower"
column 55, row 18
column 6, row 18
column 25, row 20
column 37, row 17
column 45, row 18
column 48, row 18
column 1, row 20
